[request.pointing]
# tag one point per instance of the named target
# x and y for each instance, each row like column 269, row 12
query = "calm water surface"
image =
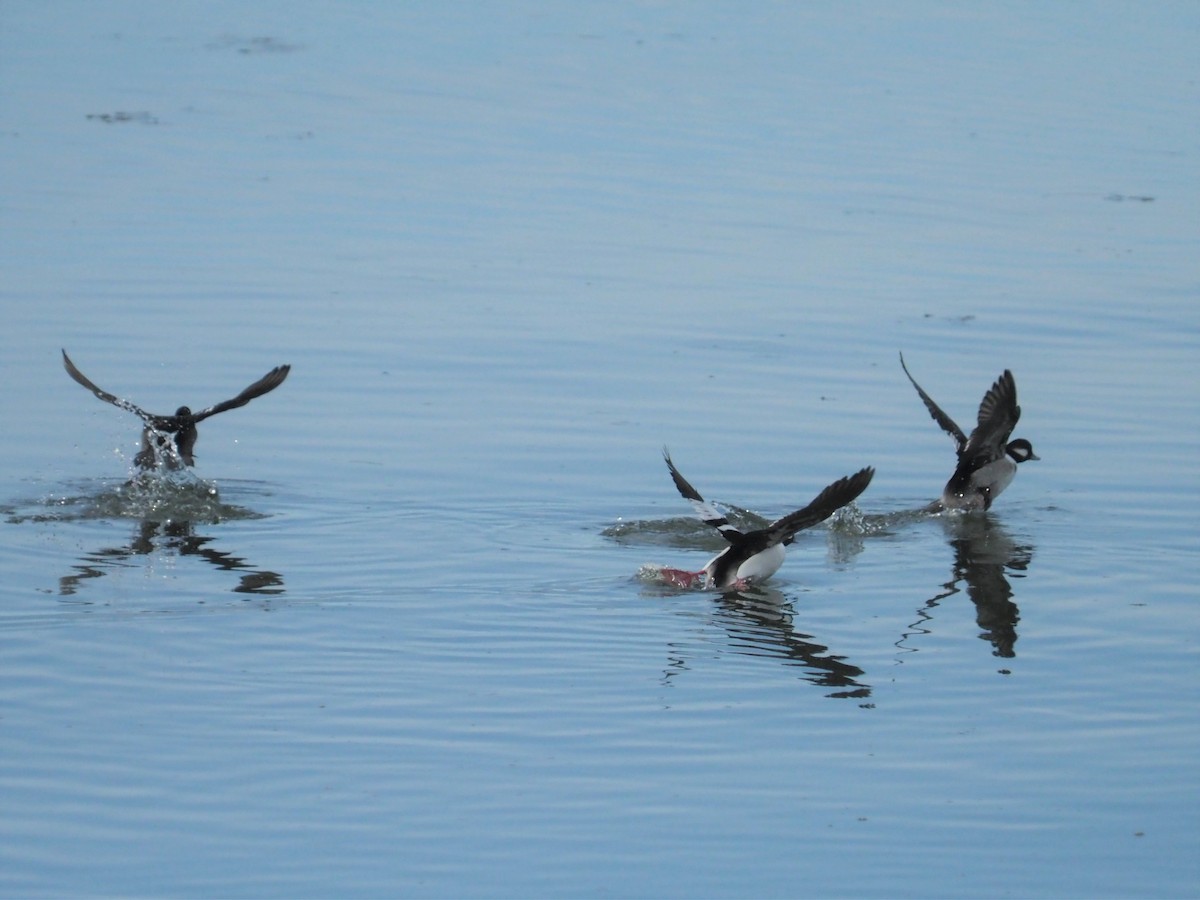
column 388, row 638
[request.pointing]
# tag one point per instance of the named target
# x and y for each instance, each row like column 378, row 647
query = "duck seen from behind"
column 170, row 441
column 755, row 556
column 987, row 460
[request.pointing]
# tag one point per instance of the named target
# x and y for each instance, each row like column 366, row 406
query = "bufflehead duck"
column 172, row 439
column 754, row 556
column 987, row 460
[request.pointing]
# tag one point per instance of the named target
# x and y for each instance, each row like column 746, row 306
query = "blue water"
column 388, row 637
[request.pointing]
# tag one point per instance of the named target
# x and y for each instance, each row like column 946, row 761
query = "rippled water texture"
column 404, row 629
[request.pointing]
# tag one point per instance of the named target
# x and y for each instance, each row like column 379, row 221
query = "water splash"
column 158, row 495
column 687, row 532
column 850, row 520
column 667, row 577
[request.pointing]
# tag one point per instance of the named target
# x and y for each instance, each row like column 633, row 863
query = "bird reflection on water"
column 759, row 622
column 172, row 512
column 151, row 537
column 985, row 557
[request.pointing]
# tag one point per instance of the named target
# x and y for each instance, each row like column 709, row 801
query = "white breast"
column 760, row 566
column 995, row 476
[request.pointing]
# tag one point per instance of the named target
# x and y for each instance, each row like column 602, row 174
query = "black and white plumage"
column 987, row 460
column 171, row 440
column 754, row 556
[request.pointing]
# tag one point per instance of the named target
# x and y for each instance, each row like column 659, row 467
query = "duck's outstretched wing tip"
column 264, row 385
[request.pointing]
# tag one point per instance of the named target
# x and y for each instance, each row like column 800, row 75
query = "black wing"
column 706, row 512
column 998, row 415
column 999, row 409
column 826, row 503
column 264, row 385
column 947, row 424
column 148, row 418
